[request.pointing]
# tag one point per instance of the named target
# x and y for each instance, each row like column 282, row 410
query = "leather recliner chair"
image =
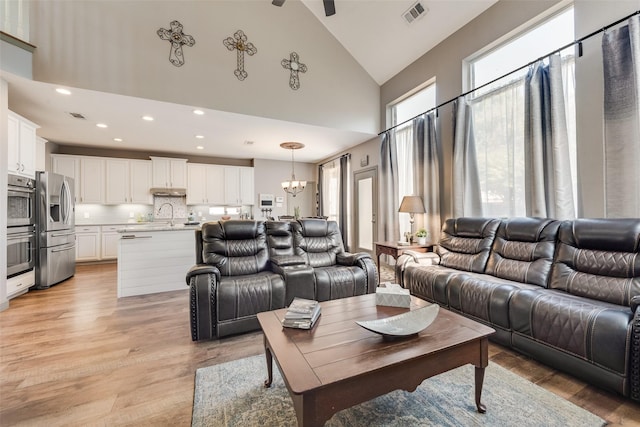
column 336, row 273
column 232, row 280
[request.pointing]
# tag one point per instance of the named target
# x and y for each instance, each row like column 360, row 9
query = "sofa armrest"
column 287, row 260
column 366, row 263
column 411, row 257
column 202, row 269
column 203, row 283
column 634, row 368
column 347, row 258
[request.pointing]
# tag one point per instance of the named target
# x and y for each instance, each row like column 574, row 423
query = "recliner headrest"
column 618, row 235
column 314, row 227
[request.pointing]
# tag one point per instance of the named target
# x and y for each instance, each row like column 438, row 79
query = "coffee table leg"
column 479, row 379
column 269, row 356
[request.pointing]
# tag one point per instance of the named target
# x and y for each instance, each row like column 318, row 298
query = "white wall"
column 112, row 46
column 268, row 176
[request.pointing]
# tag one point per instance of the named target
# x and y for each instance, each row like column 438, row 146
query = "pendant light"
column 293, row 186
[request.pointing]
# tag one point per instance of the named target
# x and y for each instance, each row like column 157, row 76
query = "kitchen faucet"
column 162, row 206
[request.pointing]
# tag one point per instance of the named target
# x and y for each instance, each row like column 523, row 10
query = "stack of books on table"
column 301, row 314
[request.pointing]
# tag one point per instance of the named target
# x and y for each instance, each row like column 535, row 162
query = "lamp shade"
column 412, row 204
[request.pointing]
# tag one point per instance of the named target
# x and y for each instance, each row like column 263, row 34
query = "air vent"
column 78, row 116
column 414, row 13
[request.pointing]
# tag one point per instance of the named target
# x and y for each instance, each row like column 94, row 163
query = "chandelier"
column 293, row 186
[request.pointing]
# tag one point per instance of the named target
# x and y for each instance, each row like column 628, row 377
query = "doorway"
column 365, row 202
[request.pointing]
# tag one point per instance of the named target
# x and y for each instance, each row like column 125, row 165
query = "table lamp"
column 412, row 205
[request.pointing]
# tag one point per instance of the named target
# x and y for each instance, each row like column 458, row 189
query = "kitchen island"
column 154, row 258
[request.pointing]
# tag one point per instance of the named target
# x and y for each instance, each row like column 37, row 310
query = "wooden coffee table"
column 338, row 364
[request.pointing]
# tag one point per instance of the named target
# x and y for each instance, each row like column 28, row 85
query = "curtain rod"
column 335, row 158
column 573, row 43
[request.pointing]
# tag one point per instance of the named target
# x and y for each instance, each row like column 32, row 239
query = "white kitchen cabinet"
column 196, row 184
column 127, row 181
column 117, row 181
column 20, row 284
column 238, row 185
column 21, row 149
column 247, row 186
column 68, row 165
column 140, row 181
column 109, row 236
column 205, row 184
column 88, row 243
column 91, row 180
column 87, row 173
column 169, row 173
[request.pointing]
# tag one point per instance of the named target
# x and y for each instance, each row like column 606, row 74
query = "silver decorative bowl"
column 402, row 325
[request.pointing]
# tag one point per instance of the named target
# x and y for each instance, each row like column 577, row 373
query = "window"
column 399, row 112
column 498, row 111
column 331, row 190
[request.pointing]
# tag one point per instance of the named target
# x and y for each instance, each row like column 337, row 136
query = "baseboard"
column 4, row 305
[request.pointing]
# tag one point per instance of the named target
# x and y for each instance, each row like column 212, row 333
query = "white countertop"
column 135, row 228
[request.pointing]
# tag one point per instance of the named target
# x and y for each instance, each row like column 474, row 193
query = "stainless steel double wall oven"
column 21, row 234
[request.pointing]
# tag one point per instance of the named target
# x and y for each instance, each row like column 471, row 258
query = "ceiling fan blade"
column 329, row 7
column 277, row 2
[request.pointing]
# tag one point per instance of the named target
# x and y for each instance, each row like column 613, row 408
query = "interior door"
column 365, row 202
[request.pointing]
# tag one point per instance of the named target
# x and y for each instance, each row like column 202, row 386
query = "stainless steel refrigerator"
column 55, row 226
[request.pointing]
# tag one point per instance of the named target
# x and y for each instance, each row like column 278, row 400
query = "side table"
column 395, row 250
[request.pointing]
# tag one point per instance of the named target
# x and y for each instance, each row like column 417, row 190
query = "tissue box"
column 393, row 295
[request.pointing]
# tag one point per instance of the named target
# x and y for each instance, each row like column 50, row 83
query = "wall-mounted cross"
column 241, row 46
column 177, row 39
column 294, row 64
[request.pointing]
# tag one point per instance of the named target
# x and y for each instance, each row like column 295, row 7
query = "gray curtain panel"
column 548, row 182
column 466, row 180
column 343, row 217
column 389, row 186
column 319, row 204
column 621, row 61
column 427, row 172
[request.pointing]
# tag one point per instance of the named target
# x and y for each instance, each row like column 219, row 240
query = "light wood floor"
column 76, row 355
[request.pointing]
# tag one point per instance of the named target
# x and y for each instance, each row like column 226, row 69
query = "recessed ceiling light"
column 147, row 118
column 117, row 139
column 101, row 125
column 198, row 112
column 200, row 147
column 63, row 91
column 200, row 136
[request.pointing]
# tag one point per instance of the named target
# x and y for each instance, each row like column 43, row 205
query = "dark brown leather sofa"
column 563, row 292
column 246, row 267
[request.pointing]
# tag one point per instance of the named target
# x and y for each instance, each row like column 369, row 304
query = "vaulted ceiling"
column 373, row 32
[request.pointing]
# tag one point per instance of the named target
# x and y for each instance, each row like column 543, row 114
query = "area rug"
column 232, row 394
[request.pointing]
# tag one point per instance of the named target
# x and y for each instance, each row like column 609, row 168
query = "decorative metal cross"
column 242, row 47
column 294, row 64
column 177, row 39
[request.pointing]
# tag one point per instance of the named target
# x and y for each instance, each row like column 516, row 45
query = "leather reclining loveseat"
column 245, row 267
column 563, row 292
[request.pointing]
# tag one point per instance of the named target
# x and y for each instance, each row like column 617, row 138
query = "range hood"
column 174, row 192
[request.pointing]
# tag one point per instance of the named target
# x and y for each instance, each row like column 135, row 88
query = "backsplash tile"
column 179, row 204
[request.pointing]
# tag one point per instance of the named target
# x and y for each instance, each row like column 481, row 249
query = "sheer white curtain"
column 404, row 145
column 498, row 119
column 331, row 190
